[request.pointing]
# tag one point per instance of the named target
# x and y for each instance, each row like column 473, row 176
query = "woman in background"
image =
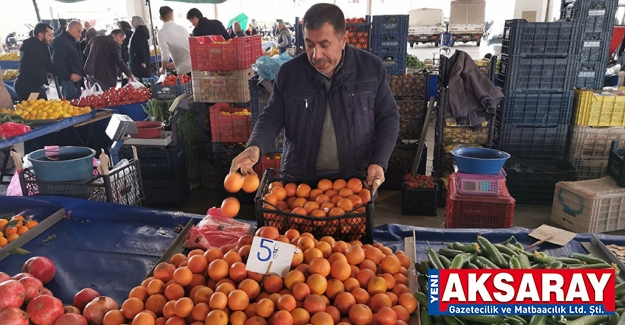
column 139, row 49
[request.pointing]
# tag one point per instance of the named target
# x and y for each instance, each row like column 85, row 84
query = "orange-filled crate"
column 271, row 160
column 465, row 211
column 229, row 124
column 214, row 53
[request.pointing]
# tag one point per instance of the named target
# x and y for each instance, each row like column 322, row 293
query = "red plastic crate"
column 213, row 53
column 265, row 163
column 464, row 211
column 229, row 128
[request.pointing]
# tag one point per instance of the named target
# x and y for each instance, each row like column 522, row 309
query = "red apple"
column 33, row 288
column 13, row 316
column 71, row 310
column 4, row 277
column 41, row 267
column 71, row 319
column 12, row 294
column 44, row 310
column 83, row 297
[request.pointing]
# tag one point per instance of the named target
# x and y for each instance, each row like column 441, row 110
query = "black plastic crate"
column 389, row 43
column 530, row 39
column 170, row 160
column 589, row 75
column 171, row 92
column 410, row 128
column 120, row 186
column 390, row 24
column 616, row 164
column 537, row 109
column 409, row 86
column 419, row 201
column 223, row 153
column 165, row 190
column 259, row 97
column 534, row 181
column 354, row 225
column 531, row 74
column 592, row 15
column 203, row 129
column 409, row 107
column 593, row 47
column 394, row 63
column 534, row 142
column 400, row 164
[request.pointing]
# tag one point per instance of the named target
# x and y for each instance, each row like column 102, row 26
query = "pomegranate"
column 12, row 294
column 41, row 267
column 95, row 310
column 33, row 288
column 44, row 310
column 71, row 319
column 46, row 291
column 13, row 316
column 83, row 297
column 72, row 310
column 20, row 276
column 4, row 277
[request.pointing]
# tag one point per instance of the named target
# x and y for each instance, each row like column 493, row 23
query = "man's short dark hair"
column 118, row 32
column 322, row 13
column 41, row 28
column 63, row 22
column 195, row 13
column 165, row 11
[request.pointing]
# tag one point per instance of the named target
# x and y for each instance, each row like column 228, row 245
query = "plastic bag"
column 216, row 230
column 134, row 84
column 10, row 129
column 93, row 88
column 15, row 186
column 268, row 67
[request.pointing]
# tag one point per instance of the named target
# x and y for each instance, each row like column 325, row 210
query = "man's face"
column 324, row 48
column 280, row 25
column 87, row 25
column 75, row 31
column 194, row 21
column 119, row 38
column 47, row 37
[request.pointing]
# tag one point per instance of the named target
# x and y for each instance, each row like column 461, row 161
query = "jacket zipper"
column 306, row 101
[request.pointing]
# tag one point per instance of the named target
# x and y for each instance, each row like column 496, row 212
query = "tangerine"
column 339, row 184
column 250, row 183
column 321, row 318
column 361, row 295
column 387, row 316
column 256, row 320
column 265, row 307
column 335, row 287
column 314, row 304
column 324, row 184
column 183, row 276
column 131, row 307
column 143, row 318
column 360, row 314
column 183, row 307
column 291, row 189
column 212, row 254
column 336, row 212
column 346, row 192
column 218, row 269
column 379, row 301
column 230, row 207
column 340, row 270
column 217, row 317
column 390, row 264
column 269, row 232
column 273, row 283
column 173, row 291
column 317, row 283
column 301, row 291
column 202, row 295
column 355, row 255
column 299, row 211
column 237, row 318
column 300, row 316
column 251, row 287
column 233, row 182
column 408, row 301
column 319, row 265
column 238, row 300
column 355, row 185
column 114, row 317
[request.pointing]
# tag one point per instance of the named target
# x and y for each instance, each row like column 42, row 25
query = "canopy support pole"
column 37, row 10
column 156, row 60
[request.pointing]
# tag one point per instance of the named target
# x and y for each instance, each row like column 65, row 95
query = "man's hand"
column 131, row 77
column 143, row 65
column 374, row 172
column 163, row 70
column 246, row 160
column 75, row 77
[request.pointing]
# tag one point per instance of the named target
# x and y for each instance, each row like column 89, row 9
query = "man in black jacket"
column 68, row 61
column 204, row 26
column 62, row 28
column 35, row 63
column 104, row 58
column 335, row 105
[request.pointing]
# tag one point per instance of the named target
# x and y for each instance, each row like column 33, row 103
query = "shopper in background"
column 174, row 42
column 62, row 28
column 35, row 63
column 104, row 58
column 335, row 105
column 139, row 49
column 67, row 60
column 10, row 39
column 251, row 30
column 238, row 31
column 204, row 26
column 284, row 37
column 86, row 27
column 89, row 35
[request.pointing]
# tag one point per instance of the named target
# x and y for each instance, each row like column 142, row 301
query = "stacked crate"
column 259, row 97
column 537, row 81
column 595, row 20
column 389, row 42
column 599, row 119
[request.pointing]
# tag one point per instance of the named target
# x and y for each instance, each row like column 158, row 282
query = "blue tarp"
column 4, row 65
column 113, row 247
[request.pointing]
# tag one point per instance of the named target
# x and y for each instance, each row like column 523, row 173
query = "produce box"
column 266, row 162
column 463, row 211
column 165, row 190
column 164, row 92
column 356, row 224
column 591, row 16
column 223, row 153
column 537, row 109
column 462, row 134
column 121, row 186
column 359, row 30
column 542, row 39
column 259, row 98
column 419, row 201
column 534, row 181
column 213, row 87
column 170, row 160
column 537, row 75
column 589, row 75
column 213, row 53
column 400, row 164
column 412, row 85
column 410, row 128
column 389, row 43
column 599, row 108
column 590, row 168
column 203, row 128
column 229, row 124
column 593, row 46
column 394, row 63
column 587, row 142
column 616, row 164
column 534, row 142
column 589, row 206
column 390, row 25
column 411, row 107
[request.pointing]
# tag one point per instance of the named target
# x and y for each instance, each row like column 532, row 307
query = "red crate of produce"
column 213, row 53
column 268, row 161
column 229, row 124
column 464, row 211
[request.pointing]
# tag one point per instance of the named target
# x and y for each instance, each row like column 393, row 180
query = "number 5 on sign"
column 265, row 251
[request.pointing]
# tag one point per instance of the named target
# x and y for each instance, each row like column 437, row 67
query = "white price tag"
column 265, row 251
column 33, row 96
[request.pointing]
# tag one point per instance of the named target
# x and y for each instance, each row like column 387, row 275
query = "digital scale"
column 479, row 185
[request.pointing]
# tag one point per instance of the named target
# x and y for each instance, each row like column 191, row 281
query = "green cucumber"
column 460, row 260
column 538, row 320
column 449, row 253
column 525, row 261
column 423, row 283
column 483, row 319
column 506, row 250
column 425, row 318
column 514, row 263
column 491, row 252
column 446, row 262
column 422, row 267
column 620, row 290
column 540, row 266
column 487, row 263
column 592, row 266
column 472, row 266
column 540, row 257
column 469, row 248
column 516, row 320
column 452, row 320
column 556, row 265
column 589, row 259
column 568, row 260
column 422, row 298
column 436, row 261
column 588, row 320
column 621, row 320
column 506, row 257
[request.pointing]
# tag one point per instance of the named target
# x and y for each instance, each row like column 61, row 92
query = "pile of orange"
column 233, row 183
column 328, row 199
column 330, row 282
column 12, row 229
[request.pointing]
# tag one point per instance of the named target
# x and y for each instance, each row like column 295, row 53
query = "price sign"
column 265, row 251
column 33, row 96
